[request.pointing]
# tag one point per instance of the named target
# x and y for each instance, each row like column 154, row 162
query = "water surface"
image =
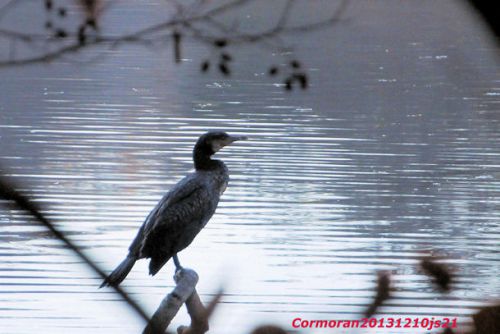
column 392, row 153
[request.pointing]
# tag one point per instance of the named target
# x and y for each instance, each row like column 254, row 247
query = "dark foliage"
column 440, row 274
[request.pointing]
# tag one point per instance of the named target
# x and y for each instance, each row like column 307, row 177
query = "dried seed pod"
column 295, row 64
column 82, row 37
column 288, row 83
column 61, row 12
column 205, row 66
column 60, row 33
column 224, row 69
column 91, row 22
column 48, row 5
column 226, row 56
column 273, row 71
column 177, row 46
column 383, row 292
column 302, row 79
column 220, row 43
column 440, row 274
column 91, row 8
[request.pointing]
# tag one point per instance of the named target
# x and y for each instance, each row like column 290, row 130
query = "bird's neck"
column 203, row 161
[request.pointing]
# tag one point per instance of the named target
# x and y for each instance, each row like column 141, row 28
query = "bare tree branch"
column 153, row 32
column 8, row 191
column 184, row 292
column 382, row 293
column 199, row 314
column 236, row 37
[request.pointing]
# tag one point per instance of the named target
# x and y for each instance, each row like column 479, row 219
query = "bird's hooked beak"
column 227, row 141
column 232, row 139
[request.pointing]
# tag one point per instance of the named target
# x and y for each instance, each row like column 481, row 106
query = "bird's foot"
column 177, row 263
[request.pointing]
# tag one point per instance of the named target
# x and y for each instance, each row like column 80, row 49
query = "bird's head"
column 211, row 142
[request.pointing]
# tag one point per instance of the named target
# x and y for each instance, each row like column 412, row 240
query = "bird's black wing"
column 177, row 218
column 180, row 190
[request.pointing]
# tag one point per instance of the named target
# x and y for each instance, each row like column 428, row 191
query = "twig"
column 383, row 293
column 199, row 314
column 141, row 35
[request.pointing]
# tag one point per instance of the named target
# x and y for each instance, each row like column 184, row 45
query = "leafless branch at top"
column 187, row 21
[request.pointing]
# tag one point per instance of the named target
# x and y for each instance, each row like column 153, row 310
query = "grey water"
column 391, row 154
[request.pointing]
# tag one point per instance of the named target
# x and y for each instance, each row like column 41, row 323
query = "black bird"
column 182, row 212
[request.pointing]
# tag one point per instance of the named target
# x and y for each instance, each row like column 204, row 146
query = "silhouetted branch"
column 234, row 36
column 382, row 293
column 8, row 191
column 75, row 42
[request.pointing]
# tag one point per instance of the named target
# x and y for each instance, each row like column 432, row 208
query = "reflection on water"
column 367, row 171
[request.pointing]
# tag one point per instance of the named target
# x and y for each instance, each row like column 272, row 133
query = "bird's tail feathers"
column 156, row 263
column 119, row 274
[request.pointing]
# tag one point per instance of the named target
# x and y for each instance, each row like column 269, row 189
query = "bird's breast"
column 223, row 187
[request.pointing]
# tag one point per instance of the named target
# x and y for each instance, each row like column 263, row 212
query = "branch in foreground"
column 487, row 320
column 184, row 292
column 199, row 314
column 440, row 274
column 269, row 329
column 382, row 293
column 8, row 191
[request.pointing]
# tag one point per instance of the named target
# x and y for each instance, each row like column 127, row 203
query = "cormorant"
column 182, row 212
